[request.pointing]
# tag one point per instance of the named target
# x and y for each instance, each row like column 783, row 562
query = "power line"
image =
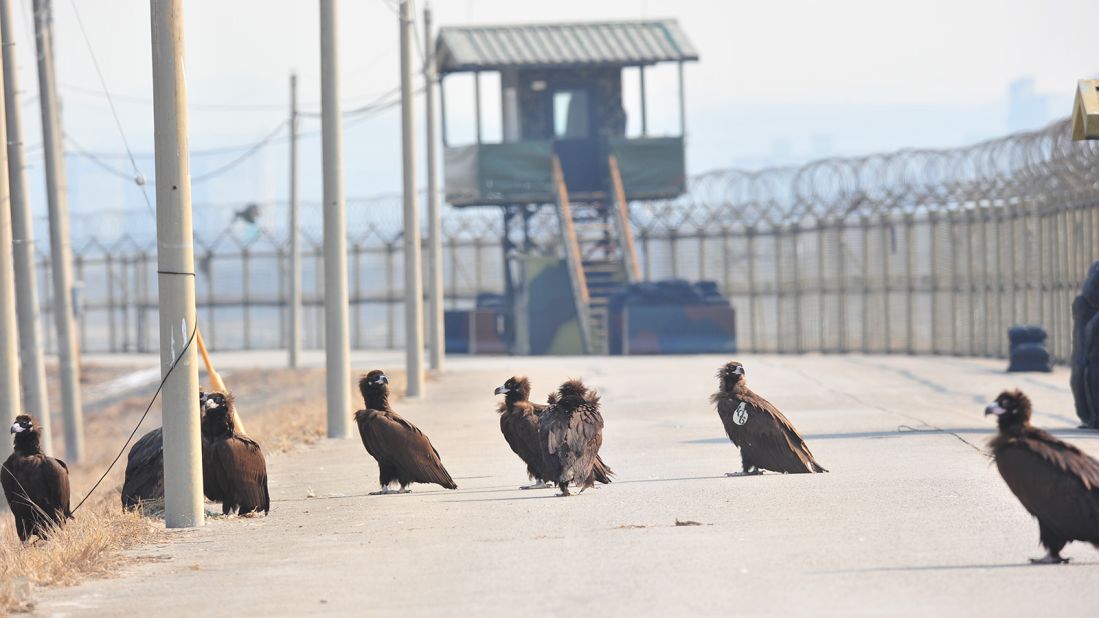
column 230, row 107
column 138, row 177
column 242, row 158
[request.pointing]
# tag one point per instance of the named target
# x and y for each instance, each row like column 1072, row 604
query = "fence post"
column 701, row 239
column 356, row 294
column 910, row 287
column 210, row 328
column 933, row 279
column 111, row 309
column 864, row 223
column 726, row 272
column 795, row 232
column 821, row 288
column 246, row 294
column 841, row 283
column 780, row 289
column 887, row 309
column 753, row 296
column 390, row 293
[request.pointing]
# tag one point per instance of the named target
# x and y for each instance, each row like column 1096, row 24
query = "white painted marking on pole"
column 740, row 416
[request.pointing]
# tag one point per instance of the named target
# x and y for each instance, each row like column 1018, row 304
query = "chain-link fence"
column 919, row 251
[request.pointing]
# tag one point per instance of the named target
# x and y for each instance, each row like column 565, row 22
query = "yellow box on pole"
column 1085, row 111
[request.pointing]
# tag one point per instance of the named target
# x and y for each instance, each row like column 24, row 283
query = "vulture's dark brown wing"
column 520, row 429
column 8, row 481
column 242, row 471
column 144, row 470
column 574, row 440
column 215, row 483
column 774, row 443
column 57, row 482
column 1055, row 482
column 602, row 471
column 393, row 440
column 34, row 485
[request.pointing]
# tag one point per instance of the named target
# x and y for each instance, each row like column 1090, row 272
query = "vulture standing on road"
column 234, row 471
column 1056, row 482
column 519, row 424
column 35, row 485
column 767, row 441
column 570, row 434
column 403, row 452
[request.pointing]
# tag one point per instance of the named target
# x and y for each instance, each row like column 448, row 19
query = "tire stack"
column 1028, row 349
column 1085, row 350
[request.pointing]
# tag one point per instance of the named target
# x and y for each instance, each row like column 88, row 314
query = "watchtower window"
column 570, row 114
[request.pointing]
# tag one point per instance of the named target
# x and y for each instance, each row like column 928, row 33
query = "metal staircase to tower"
column 599, row 250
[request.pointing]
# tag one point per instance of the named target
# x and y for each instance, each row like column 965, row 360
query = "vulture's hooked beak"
column 17, row 428
column 210, row 403
column 994, row 408
column 501, row 390
column 382, row 379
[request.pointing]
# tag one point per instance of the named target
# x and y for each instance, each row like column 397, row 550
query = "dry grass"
column 87, row 546
column 282, row 408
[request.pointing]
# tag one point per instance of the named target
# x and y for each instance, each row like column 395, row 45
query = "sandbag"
column 1029, row 357
column 1017, row 335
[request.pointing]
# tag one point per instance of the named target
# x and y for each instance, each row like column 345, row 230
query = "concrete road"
column 911, row 521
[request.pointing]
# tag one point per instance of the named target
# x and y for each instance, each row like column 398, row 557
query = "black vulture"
column 570, row 433
column 766, row 439
column 144, row 482
column 234, row 471
column 1056, row 482
column 403, row 452
column 36, row 486
column 519, row 424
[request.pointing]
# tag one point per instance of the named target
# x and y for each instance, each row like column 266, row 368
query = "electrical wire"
column 160, row 387
column 138, row 177
column 244, row 156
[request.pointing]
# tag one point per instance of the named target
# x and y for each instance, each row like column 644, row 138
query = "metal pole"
column 337, row 347
column 434, row 220
column 33, row 365
column 682, row 104
column 644, row 104
column 175, row 268
column 60, row 250
column 476, row 95
column 295, row 248
column 9, row 347
column 413, row 275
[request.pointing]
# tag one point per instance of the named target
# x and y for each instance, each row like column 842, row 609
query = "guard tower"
column 564, row 145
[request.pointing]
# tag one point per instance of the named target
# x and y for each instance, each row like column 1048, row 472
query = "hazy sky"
column 777, row 79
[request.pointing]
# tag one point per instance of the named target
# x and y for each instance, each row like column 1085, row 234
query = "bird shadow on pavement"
column 948, row 567
column 668, row 480
column 875, row 435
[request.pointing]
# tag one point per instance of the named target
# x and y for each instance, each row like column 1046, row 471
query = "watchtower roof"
column 562, row 45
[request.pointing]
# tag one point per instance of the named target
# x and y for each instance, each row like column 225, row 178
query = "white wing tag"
column 740, row 416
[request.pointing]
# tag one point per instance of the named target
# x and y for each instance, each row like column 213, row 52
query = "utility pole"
column 9, row 348
column 68, row 351
column 175, row 271
column 336, row 345
column 413, row 275
column 434, row 221
column 33, row 365
column 295, row 250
